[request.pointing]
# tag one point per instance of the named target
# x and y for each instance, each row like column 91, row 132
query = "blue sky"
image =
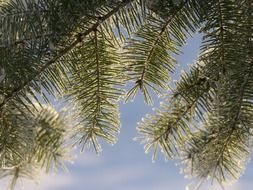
column 125, row 166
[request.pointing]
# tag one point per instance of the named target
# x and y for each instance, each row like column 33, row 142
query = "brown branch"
column 23, row 41
column 222, row 37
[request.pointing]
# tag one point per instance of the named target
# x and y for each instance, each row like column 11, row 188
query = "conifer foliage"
column 83, row 53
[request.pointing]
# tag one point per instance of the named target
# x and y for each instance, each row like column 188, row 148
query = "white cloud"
column 47, row 182
column 50, row 182
column 118, row 175
column 87, row 159
column 113, row 176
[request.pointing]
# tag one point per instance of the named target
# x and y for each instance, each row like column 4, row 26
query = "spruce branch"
column 170, row 127
column 96, row 88
column 157, row 40
column 222, row 148
column 63, row 52
column 148, row 53
column 65, row 48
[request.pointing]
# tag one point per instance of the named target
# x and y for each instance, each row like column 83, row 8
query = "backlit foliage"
column 83, row 53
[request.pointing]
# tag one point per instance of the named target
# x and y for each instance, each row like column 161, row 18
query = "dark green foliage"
column 83, row 53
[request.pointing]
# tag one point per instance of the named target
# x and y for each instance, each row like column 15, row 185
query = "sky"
column 125, row 166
